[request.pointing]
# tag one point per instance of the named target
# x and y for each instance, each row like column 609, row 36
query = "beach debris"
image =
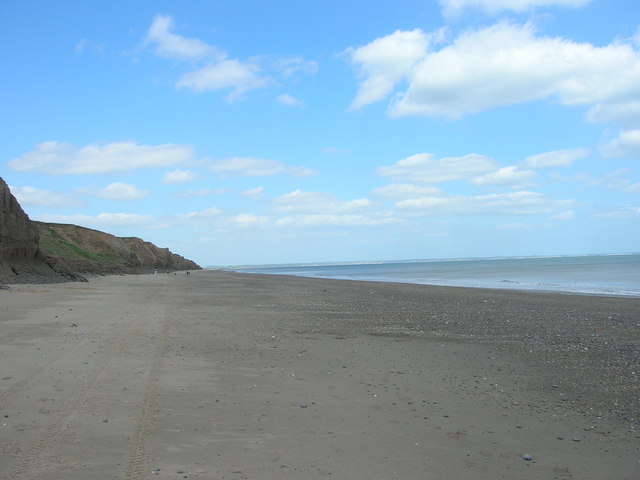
column 527, row 457
column 576, row 439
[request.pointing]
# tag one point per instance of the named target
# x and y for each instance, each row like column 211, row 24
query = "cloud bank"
column 59, row 158
column 504, row 64
column 456, row 7
column 212, row 69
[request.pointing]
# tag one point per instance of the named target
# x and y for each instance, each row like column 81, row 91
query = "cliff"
column 37, row 252
column 88, row 251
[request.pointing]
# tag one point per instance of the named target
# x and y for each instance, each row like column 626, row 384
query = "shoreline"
column 452, row 285
column 231, row 375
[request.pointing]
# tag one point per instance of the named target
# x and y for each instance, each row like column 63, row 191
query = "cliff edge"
column 38, row 252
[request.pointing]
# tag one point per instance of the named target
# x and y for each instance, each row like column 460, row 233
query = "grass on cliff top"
column 53, row 243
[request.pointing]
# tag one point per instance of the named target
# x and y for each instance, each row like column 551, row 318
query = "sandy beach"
column 219, row 375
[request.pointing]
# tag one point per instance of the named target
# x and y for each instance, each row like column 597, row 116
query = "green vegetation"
column 55, row 244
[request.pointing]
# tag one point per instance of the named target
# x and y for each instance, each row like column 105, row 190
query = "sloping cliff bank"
column 37, row 252
column 88, row 251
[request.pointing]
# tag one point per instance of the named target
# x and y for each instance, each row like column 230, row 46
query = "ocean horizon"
column 595, row 274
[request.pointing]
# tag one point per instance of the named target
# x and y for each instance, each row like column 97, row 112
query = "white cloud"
column 505, row 176
column 206, row 213
column 257, row 167
column 117, row 191
column 317, row 202
column 238, row 76
column 249, row 220
column 289, row 100
column 212, row 69
column 384, row 62
column 455, row 7
column 335, row 151
column 626, row 145
column 172, row 45
column 557, row 158
column 292, row 67
column 254, row 193
column 516, row 203
column 624, row 212
column 81, row 45
column 179, row 176
column 424, row 168
column 405, row 190
column 333, row 220
column 625, row 112
column 205, row 192
column 515, row 226
column 614, row 180
column 58, row 158
column 35, row 197
column 501, row 65
column 633, row 188
column 563, row 216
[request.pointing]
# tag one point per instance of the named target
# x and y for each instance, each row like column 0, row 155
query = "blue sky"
column 283, row 131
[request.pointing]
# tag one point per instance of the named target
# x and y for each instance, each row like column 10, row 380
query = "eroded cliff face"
column 19, row 238
column 37, row 252
column 21, row 260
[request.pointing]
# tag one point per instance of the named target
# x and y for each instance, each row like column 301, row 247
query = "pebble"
column 527, row 457
column 576, row 439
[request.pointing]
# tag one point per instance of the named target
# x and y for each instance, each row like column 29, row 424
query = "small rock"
column 527, row 457
column 576, row 439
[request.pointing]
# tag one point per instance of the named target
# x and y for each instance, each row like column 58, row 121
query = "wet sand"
column 218, row 375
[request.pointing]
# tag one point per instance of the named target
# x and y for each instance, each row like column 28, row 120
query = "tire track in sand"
column 138, row 466
column 90, row 336
column 37, row 459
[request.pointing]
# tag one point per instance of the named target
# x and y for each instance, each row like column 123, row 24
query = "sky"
column 293, row 131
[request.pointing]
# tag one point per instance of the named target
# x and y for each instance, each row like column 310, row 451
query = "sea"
column 609, row 275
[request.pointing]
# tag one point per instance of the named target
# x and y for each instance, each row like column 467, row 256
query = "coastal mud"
column 218, row 375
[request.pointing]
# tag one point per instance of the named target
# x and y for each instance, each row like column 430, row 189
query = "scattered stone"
column 576, row 439
column 527, row 457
